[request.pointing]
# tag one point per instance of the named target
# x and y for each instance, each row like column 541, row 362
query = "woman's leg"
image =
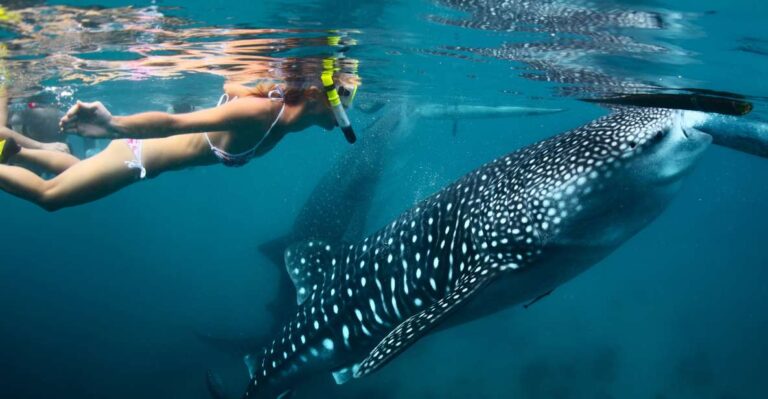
column 51, row 161
column 86, row 181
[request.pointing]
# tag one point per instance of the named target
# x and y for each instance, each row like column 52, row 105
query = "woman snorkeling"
column 247, row 123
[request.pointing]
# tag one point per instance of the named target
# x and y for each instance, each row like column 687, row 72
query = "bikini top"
column 242, row 158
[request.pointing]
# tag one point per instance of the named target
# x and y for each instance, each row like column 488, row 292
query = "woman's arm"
column 20, row 139
column 237, row 90
column 94, row 120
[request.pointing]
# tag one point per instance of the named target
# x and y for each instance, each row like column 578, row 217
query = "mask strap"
column 276, row 94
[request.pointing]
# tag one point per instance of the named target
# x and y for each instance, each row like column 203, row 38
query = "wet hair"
column 293, row 92
column 300, row 75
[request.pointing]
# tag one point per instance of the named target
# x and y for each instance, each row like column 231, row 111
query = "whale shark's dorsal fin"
column 251, row 363
column 419, row 325
column 307, row 264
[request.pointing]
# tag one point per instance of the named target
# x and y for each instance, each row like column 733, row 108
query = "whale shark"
column 504, row 234
column 338, row 206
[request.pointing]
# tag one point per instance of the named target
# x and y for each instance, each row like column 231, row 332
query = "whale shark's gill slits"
column 362, row 322
column 393, row 297
column 406, row 288
column 375, row 313
column 380, row 288
column 457, row 235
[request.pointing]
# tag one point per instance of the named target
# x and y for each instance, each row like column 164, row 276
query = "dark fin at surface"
column 420, row 324
column 693, row 102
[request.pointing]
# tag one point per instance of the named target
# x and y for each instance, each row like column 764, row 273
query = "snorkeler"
column 247, row 123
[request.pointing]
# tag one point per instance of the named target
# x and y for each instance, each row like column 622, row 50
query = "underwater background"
column 108, row 300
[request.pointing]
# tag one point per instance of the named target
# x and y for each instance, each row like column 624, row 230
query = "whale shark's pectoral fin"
column 343, row 375
column 418, row 325
column 307, row 264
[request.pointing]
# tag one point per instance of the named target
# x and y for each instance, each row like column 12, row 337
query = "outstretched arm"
column 25, row 141
column 94, row 120
column 3, row 105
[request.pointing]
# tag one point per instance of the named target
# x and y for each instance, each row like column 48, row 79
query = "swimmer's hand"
column 88, row 120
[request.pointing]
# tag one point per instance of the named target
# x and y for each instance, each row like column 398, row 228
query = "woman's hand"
column 88, row 119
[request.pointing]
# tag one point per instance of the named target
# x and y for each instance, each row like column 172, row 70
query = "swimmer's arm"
column 93, row 120
column 20, row 139
column 237, row 90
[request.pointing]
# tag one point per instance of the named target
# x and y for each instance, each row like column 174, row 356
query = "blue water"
column 103, row 300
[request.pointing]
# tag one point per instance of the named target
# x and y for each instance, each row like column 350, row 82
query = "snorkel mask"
column 339, row 98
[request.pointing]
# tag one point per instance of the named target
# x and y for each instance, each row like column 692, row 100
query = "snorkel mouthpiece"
column 340, row 114
column 333, row 98
column 349, row 134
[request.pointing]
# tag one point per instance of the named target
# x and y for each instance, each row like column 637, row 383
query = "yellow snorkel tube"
column 335, row 101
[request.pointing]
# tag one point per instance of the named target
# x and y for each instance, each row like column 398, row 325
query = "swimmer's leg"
column 54, row 162
column 86, row 181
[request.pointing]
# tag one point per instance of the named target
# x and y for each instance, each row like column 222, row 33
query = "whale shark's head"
column 657, row 152
column 597, row 185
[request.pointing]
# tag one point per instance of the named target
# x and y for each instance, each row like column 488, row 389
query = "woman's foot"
column 60, row 147
column 8, row 148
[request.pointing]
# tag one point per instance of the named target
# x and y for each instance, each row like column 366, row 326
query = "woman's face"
column 327, row 121
column 321, row 113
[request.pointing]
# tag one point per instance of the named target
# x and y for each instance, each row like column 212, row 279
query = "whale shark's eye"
column 632, row 144
column 658, row 136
